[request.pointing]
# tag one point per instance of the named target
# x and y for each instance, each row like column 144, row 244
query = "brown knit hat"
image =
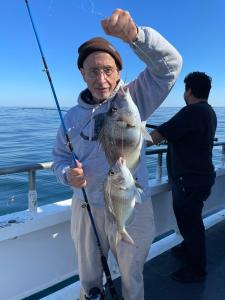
column 97, row 44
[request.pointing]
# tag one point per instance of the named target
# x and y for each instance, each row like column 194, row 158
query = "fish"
column 123, row 132
column 121, row 193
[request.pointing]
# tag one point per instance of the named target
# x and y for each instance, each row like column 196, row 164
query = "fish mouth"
column 130, row 125
column 125, row 124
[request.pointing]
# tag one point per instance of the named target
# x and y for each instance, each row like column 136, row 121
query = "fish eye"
column 111, row 172
column 113, row 109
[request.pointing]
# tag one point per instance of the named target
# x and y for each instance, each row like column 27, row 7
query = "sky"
column 195, row 27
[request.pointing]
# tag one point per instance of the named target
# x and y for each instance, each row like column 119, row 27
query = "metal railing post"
column 223, row 156
column 159, row 167
column 33, row 168
column 32, row 193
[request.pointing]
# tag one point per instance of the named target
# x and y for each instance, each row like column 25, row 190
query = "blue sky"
column 195, row 27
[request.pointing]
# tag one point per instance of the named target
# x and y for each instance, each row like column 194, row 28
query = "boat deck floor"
column 159, row 285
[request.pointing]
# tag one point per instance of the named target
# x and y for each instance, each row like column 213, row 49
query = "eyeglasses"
column 95, row 72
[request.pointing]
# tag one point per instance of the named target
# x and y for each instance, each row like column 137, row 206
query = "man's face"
column 101, row 75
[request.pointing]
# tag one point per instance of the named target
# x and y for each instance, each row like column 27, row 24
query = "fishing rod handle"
column 109, row 281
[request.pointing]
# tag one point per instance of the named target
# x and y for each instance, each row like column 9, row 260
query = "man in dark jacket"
column 190, row 135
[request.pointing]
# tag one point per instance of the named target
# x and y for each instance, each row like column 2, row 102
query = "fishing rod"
column 109, row 282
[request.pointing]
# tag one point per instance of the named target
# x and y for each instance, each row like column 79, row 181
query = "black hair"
column 199, row 83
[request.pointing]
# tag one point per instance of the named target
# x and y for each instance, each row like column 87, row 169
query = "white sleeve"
column 163, row 62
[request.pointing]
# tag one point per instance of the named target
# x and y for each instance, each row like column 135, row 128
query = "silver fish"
column 121, row 193
column 122, row 131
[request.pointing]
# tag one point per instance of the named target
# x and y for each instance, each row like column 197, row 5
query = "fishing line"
column 50, row 8
column 97, row 13
column 94, row 12
column 109, row 282
column 92, row 9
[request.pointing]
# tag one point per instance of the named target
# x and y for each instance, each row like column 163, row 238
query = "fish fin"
column 123, row 235
column 146, row 135
column 138, row 198
column 138, row 186
column 110, row 210
column 100, row 136
column 108, row 199
column 123, row 89
column 110, row 207
column 99, row 121
column 139, row 192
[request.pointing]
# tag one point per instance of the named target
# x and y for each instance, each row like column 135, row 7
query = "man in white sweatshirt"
column 100, row 65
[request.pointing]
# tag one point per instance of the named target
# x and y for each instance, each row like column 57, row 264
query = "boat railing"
column 159, row 151
column 31, row 169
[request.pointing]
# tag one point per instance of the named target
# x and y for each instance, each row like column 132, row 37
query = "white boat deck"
column 71, row 292
column 37, row 252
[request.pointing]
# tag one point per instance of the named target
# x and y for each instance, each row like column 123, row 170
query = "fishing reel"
column 95, row 294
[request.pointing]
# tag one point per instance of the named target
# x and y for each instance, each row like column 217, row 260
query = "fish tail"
column 123, row 235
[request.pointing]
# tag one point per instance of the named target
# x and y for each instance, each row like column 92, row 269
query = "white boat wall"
column 36, row 249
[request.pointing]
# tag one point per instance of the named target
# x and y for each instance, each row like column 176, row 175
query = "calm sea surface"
column 27, row 136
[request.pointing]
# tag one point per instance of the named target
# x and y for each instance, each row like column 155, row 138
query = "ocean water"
column 27, row 136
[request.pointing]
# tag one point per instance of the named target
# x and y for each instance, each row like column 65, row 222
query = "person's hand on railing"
column 157, row 138
column 75, row 176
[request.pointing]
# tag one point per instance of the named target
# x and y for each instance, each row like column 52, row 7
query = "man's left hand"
column 121, row 25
